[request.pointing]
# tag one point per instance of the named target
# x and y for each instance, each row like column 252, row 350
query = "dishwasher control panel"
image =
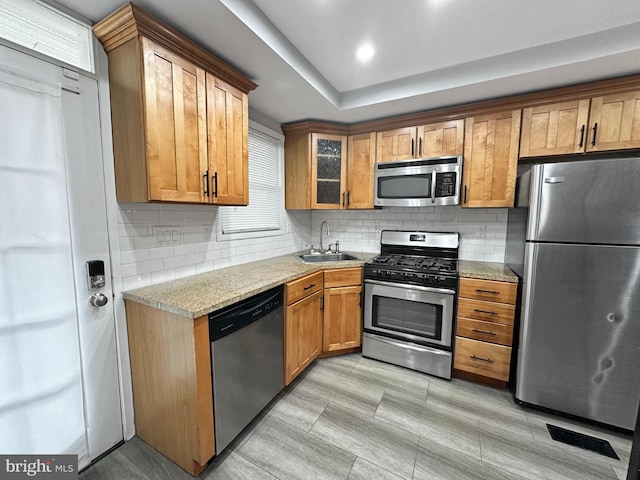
column 234, row 317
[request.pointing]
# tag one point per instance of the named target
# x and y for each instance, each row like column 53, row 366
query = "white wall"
column 483, row 231
column 144, row 262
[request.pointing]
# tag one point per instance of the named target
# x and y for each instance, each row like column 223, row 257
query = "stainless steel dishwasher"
column 247, row 361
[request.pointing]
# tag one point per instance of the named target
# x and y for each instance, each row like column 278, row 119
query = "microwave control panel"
column 446, row 184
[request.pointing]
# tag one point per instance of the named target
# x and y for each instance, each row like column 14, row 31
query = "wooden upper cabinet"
column 614, row 122
column 228, row 154
column 491, row 159
column 174, row 117
column 360, row 161
column 328, row 171
column 397, row 144
column 609, row 122
column 325, row 169
column 440, row 139
column 555, row 129
column 178, row 114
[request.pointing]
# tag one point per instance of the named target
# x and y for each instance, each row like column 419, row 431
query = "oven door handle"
column 412, row 287
column 407, row 345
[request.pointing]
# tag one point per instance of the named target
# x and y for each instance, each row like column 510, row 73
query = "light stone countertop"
column 486, row 271
column 204, row 293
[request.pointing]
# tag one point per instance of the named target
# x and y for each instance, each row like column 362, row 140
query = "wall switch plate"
column 166, row 235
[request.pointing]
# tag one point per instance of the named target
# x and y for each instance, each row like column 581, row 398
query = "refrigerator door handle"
column 554, row 180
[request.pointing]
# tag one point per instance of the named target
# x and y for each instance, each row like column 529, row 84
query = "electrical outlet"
column 165, row 235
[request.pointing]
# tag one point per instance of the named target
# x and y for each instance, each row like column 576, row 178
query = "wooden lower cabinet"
column 342, row 309
column 171, row 377
column 302, row 324
column 484, row 329
column 482, row 358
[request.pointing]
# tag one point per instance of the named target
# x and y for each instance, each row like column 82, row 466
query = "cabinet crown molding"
column 313, row 126
column 130, row 21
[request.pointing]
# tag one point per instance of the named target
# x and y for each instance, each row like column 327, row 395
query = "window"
column 264, row 215
column 41, row 28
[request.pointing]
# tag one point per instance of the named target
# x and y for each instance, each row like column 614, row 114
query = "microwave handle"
column 433, row 186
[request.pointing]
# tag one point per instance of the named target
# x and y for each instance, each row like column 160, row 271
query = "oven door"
column 418, row 314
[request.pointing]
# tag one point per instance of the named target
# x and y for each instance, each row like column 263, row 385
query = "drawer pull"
column 488, row 360
column 485, row 311
column 492, row 292
column 310, row 286
column 484, row 331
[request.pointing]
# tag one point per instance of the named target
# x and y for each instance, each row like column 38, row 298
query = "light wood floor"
column 354, row 418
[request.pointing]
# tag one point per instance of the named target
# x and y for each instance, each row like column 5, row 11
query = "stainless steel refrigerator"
column 574, row 240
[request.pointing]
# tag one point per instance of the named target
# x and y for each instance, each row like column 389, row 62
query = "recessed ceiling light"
column 365, row 52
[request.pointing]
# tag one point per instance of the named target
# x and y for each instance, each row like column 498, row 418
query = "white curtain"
column 41, row 399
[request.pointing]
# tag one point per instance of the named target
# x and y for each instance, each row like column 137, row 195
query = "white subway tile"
column 129, row 270
column 175, row 262
column 186, row 249
column 150, row 266
column 139, row 281
column 147, row 241
column 204, row 267
column 163, row 276
column 185, row 271
column 146, row 216
column 171, row 216
column 195, row 258
column 134, row 256
column 161, row 252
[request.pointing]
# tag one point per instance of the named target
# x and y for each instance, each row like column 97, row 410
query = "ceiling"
column 428, row 53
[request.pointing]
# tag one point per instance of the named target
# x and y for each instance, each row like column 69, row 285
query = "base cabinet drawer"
column 303, row 287
column 486, row 311
column 485, row 331
column 482, row 358
column 488, row 290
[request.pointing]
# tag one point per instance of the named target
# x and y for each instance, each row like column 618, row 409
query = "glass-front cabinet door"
column 329, row 171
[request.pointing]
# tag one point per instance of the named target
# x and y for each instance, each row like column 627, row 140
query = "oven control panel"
column 416, row 278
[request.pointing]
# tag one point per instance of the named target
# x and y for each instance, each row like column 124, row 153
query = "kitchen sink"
column 326, row 257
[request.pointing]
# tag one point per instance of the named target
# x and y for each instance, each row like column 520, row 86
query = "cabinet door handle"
column 488, row 360
column 486, row 332
column 485, row 311
column 465, row 194
column 214, row 178
column 412, row 147
column 310, row 286
column 420, row 148
column 205, row 179
column 595, row 131
column 348, row 198
column 343, row 201
column 582, row 135
column 492, row 292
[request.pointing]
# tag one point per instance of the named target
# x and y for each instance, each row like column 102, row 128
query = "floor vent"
column 581, row 440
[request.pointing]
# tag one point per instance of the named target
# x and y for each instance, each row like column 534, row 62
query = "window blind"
column 264, row 212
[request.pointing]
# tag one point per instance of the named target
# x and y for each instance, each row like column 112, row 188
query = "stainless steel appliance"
column 418, row 183
column 574, row 239
column 247, row 361
column 410, row 301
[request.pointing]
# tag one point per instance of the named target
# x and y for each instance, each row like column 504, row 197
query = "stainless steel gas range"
column 410, row 293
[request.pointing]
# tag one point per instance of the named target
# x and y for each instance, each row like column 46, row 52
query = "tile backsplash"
column 161, row 242
column 483, row 232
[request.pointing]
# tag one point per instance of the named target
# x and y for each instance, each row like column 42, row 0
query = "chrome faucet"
column 322, row 249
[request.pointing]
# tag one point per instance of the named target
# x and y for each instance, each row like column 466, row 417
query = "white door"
column 59, row 375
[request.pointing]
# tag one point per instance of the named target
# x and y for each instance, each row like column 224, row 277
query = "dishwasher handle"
column 230, row 319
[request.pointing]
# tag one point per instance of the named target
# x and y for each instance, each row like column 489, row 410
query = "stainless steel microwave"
column 418, row 183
